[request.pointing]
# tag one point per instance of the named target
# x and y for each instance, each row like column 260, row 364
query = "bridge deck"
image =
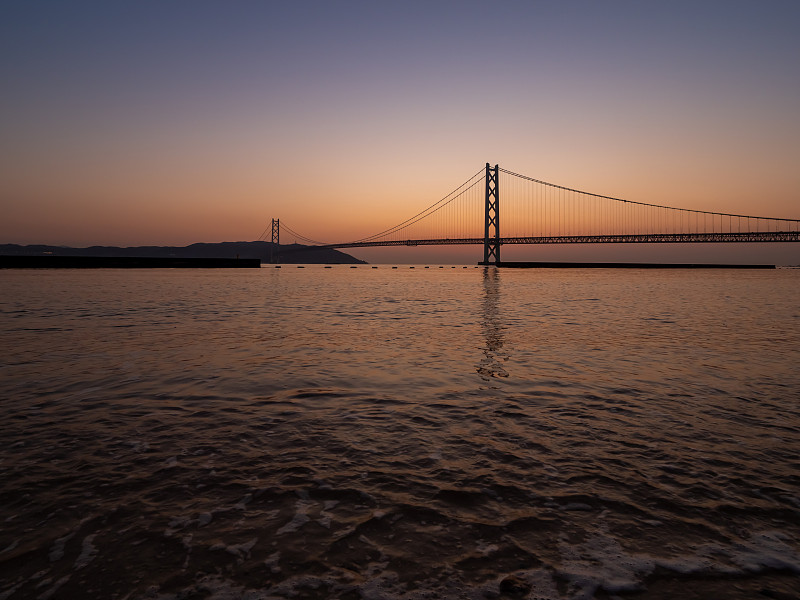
column 645, row 238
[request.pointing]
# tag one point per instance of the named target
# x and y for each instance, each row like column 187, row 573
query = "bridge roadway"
column 644, row 238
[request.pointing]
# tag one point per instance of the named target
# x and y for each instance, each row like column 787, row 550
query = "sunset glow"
column 152, row 123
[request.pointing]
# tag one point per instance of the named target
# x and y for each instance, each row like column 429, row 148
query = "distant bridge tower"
column 491, row 234
column 276, row 240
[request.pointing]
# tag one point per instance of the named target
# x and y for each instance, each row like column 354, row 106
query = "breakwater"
column 625, row 265
column 124, row 262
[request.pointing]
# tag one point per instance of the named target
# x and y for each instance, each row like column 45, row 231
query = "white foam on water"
column 242, row 504
column 179, row 523
column 88, row 552
column 241, row 551
column 762, row 551
column 387, row 587
column 543, row 586
column 7, row 593
column 39, row 574
column 597, row 564
column 49, row 593
column 57, row 551
column 766, row 550
column 485, row 549
column 214, row 588
column 601, row 563
column 138, row 446
column 176, row 525
column 43, row 582
column 299, row 519
column 686, row 565
column 378, row 588
column 272, row 562
column 187, row 543
column 325, row 520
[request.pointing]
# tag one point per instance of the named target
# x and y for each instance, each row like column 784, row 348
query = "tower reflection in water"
column 491, row 365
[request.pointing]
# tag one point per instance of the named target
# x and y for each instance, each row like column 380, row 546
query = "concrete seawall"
column 124, row 262
column 624, row 265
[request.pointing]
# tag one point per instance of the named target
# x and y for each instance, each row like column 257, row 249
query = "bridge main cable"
column 702, row 212
column 428, row 211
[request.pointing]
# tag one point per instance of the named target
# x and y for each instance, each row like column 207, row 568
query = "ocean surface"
column 401, row 433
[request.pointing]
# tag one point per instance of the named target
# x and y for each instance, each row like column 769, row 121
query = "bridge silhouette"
column 538, row 212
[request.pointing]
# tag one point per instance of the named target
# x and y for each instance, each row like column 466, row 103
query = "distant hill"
column 287, row 254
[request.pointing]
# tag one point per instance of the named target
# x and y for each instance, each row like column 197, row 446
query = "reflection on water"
column 396, row 433
column 491, row 364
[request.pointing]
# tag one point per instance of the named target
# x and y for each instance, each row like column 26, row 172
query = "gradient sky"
column 175, row 122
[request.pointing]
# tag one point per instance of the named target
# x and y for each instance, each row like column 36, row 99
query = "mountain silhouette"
column 285, row 253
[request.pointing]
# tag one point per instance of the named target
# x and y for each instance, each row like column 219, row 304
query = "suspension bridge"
column 538, row 212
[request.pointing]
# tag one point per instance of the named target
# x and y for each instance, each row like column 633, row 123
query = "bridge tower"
column 276, row 240
column 491, row 234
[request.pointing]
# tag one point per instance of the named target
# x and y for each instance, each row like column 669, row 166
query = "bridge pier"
column 276, row 241
column 491, row 232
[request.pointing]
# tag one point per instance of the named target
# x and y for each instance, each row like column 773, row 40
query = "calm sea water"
column 399, row 433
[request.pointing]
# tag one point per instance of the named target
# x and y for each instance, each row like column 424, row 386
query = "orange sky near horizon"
column 144, row 125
